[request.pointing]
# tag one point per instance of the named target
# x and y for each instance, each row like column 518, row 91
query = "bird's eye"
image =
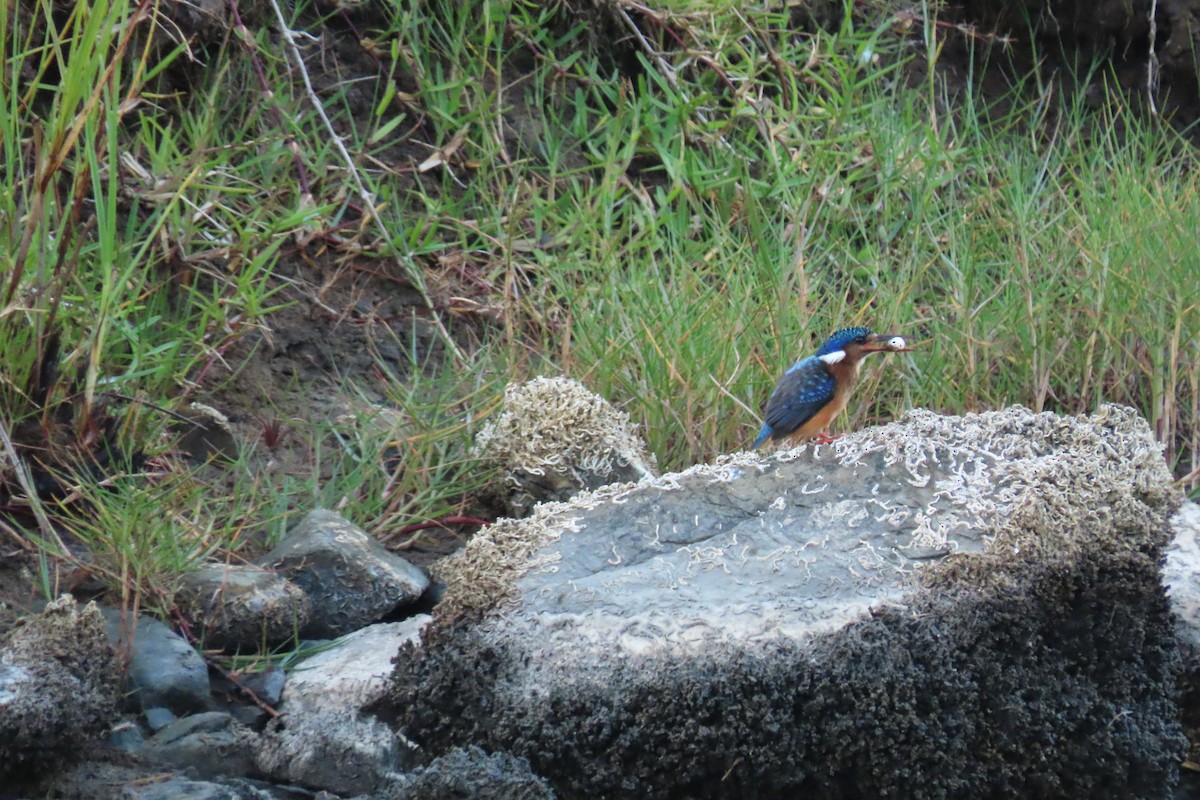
column 860, row 339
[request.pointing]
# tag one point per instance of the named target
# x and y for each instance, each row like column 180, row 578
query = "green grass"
column 673, row 226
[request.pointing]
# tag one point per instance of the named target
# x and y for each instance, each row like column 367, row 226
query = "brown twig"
column 262, row 705
column 185, row 630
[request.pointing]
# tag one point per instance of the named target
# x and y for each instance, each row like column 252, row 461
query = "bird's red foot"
column 824, row 438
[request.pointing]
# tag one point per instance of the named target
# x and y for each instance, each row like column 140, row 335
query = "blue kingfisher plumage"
column 815, row 389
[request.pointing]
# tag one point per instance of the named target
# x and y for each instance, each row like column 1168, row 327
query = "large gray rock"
column 941, row 607
column 58, row 686
column 241, row 607
column 351, row 578
column 163, row 670
column 324, row 742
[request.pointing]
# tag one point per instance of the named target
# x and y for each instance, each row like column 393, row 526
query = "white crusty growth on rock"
column 553, row 438
column 1001, row 481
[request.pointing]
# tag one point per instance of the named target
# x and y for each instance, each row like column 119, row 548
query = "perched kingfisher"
column 815, row 389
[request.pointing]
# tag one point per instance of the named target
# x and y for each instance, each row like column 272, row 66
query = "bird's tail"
column 762, row 436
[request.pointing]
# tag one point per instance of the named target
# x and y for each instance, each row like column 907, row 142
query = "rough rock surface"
column 58, row 684
column 210, row 745
column 242, row 607
column 1181, row 574
column 100, row 780
column 323, row 741
column 330, row 750
column 352, row 672
column 351, row 578
column 941, row 607
column 470, row 772
column 553, row 439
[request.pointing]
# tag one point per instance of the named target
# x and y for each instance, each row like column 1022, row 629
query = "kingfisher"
column 815, row 389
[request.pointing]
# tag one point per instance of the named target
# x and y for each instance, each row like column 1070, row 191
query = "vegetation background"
column 349, row 226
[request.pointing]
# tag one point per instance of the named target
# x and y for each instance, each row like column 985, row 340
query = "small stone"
column 267, row 685
column 353, row 672
column 205, row 435
column 158, row 717
column 324, row 741
column 351, row 578
column 127, row 736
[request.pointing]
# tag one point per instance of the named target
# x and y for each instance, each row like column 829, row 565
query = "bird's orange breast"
column 845, row 376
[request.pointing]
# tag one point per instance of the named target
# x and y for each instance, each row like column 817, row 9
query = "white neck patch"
column 834, row 357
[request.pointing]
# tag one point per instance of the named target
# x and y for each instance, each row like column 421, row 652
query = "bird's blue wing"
column 803, row 391
column 762, row 436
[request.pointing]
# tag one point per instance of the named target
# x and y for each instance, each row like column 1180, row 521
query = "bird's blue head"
column 844, row 337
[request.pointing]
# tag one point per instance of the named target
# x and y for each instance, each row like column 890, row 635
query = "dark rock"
column 58, row 686
column 210, row 745
column 158, row 717
column 127, row 736
column 163, row 669
column 266, row 687
column 206, row 435
column 470, row 772
column 103, row 780
column 266, row 684
column 241, row 607
column 942, row 607
column 350, row 577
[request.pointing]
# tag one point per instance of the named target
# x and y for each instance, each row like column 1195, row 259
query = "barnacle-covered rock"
column 58, row 687
column 940, row 607
column 553, row 438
